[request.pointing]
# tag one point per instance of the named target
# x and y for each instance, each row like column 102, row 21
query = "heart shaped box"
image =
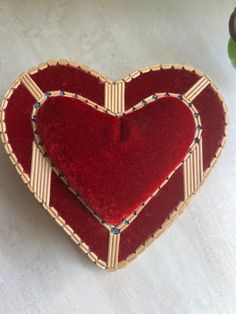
column 113, row 162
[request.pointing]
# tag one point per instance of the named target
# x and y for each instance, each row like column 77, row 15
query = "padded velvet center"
column 115, row 163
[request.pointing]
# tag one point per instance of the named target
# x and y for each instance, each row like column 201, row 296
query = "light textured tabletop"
column 191, row 268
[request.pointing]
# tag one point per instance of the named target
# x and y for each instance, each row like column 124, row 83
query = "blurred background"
column 191, row 268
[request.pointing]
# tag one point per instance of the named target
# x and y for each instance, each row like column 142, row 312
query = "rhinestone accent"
column 115, row 230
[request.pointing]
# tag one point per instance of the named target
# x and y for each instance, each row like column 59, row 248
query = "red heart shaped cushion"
column 113, row 162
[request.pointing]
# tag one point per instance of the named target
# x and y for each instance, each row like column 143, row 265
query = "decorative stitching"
column 124, row 224
column 174, row 214
column 26, row 179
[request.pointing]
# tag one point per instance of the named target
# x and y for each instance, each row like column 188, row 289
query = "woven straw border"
column 52, row 211
column 124, row 224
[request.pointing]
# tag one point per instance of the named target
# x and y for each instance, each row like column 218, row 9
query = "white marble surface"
column 192, row 267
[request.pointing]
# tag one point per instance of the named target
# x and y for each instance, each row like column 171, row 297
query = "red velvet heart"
column 115, row 163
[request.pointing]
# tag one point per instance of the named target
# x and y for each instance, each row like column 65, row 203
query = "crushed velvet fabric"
column 115, row 163
column 123, row 160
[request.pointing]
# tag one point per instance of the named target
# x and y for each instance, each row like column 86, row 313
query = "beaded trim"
column 123, row 225
column 52, row 211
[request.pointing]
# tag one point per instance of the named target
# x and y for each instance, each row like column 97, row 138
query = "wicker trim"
column 52, row 211
column 26, row 179
column 41, row 148
column 31, row 86
column 182, row 205
column 193, row 171
column 194, row 146
column 113, row 251
column 114, row 96
column 197, row 88
column 40, row 176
